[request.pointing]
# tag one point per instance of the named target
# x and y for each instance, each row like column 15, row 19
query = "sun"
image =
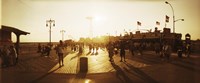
column 98, row 23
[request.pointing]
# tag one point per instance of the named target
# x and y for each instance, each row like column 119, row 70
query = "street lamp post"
column 173, row 17
column 62, row 31
column 50, row 23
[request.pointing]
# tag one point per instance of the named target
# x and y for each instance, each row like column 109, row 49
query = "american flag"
column 139, row 23
column 167, row 18
column 157, row 23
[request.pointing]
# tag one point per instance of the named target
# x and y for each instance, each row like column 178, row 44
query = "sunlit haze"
column 108, row 17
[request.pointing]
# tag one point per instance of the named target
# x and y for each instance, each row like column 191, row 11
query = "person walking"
column 132, row 48
column 157, row 48
column 60, row 52
column 167, row 50
column 39, row 48
column 111, row 51
column 122, row 51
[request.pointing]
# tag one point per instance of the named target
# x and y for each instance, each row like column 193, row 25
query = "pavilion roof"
column 14, row 30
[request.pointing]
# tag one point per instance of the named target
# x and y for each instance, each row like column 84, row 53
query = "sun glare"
column 107, row 17
column 96, row 24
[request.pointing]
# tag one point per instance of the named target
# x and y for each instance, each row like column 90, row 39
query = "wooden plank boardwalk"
column 97, row 63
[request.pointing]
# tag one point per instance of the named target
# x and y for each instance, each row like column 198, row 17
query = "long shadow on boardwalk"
column 43, row 76
column 147, row 59
column 190, row 68
column 137, row 72
column 175, row 61
column 120, row 73
column 76, row 56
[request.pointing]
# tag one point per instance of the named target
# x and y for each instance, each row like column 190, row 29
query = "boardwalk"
column 147, row 68
column 97, row 63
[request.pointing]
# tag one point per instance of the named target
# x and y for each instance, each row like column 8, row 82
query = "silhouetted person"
column 187, row 50
column 43, row 50
column 13, row 55
column 90, row 48
column 179, row 52
column 47, row 50
column 60, row 52
column 72, row 49
column 80, row 49
column 167, row 50
column 93, row 49
column 39, row 48
column 122, row 51
column 141, row 48
column 116, row 47
column 131, row 48
column 110, row 51
column 5, row 56
column 157, row 48
column 97, row 48
column 0, row 58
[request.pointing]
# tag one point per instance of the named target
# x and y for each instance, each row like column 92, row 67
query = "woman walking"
column 60, row 52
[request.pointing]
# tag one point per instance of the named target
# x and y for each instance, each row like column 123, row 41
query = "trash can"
column 83, row 64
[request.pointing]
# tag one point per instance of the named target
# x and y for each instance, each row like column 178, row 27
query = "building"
column 6, row 37
column 174, row 39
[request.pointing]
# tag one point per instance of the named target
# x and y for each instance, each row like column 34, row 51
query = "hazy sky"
column 109, row 16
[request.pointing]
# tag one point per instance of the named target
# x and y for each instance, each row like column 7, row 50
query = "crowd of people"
column 44, row 49
column 114, row 47
column 162, row 49
column 8, row 56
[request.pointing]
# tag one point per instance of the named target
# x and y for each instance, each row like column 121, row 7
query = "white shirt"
column 60, row 49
